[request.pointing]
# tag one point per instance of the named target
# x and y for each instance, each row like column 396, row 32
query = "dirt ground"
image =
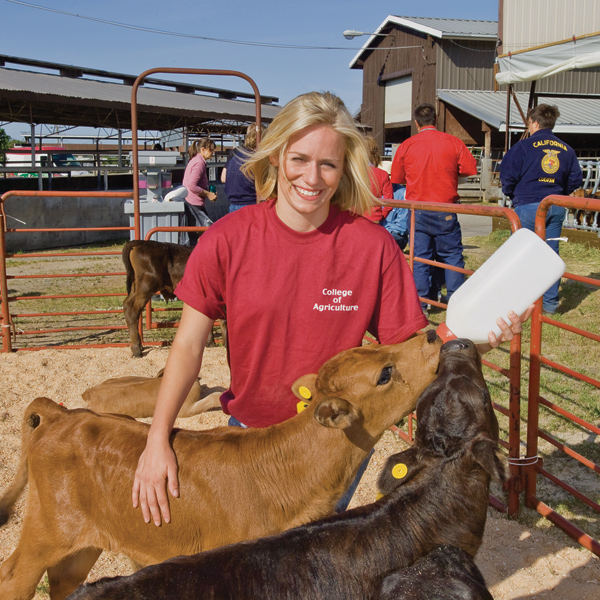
column 517, row 562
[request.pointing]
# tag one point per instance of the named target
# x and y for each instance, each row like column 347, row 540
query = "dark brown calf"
column 151, row 268
column 438, row 495
column 235, row 484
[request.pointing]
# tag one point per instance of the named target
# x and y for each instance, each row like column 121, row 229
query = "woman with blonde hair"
column 300, row 278
column 313, row 110
column 239, row 187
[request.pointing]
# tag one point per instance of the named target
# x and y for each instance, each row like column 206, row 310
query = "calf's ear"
column 336, row 413
column 304, row 387
column 485, row 453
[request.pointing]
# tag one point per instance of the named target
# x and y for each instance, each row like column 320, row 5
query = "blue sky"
column 38, row 34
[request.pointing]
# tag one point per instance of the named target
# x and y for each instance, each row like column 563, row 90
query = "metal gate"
column 526, row 468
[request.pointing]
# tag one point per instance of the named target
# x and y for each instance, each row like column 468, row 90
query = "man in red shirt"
column 429, row 164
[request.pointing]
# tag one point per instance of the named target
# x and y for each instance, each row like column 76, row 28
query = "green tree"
column 4, row 145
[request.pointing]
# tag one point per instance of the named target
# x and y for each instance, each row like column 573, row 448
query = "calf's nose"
column 457, row 344
column 431, row 336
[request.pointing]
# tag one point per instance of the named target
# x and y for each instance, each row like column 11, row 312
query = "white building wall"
column 530, row 23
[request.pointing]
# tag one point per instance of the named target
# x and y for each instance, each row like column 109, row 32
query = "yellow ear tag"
column 305, row 392
column 379, row 496
column 301, row 406
column 399, row 471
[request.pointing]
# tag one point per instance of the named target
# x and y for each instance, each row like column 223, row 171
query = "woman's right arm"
column 157, row 466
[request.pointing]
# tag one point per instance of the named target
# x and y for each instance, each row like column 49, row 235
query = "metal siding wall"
column 537, row 22
column 466, row 65
column 585, row 81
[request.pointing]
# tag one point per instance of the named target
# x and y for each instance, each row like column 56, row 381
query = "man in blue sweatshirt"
column 534, row 168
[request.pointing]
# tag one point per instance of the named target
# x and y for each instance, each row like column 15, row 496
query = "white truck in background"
column 19, row 157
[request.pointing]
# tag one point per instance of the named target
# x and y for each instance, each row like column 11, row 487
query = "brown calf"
column 235, row 484
column 437, row 493
column 136, row 397
column 152, row 268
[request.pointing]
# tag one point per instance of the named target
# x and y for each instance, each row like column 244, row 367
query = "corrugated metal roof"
column 77, row 101
column 577, row 115
column 450, row 28
column 439, row 28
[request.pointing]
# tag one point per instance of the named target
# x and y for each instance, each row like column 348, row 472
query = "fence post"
column 6, row 340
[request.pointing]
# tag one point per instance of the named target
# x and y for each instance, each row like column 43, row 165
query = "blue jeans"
column 437, row 237
column 554, row 222
column 233, row 422
column 233, row 207
column 343, row 502
column 195, row 216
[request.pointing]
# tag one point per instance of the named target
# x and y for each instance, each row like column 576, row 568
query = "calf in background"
column 152, row 268
column 136, row 397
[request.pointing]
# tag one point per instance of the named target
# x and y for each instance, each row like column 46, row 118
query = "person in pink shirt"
column 429, row 164
column 195, row 179
column 300, row 277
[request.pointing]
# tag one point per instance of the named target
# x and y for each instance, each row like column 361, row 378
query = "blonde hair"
column 251, row 131
column 315, row 108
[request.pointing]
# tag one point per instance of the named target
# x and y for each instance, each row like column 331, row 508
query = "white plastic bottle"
column 513, row 278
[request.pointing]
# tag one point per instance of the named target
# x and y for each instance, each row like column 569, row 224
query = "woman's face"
column 207, row 153
column 309, row 176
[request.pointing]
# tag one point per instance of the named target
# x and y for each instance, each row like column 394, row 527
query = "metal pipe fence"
column 533, row 466
column 9, row 330
column 525, row 469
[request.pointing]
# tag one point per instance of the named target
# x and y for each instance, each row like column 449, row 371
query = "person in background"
column 430, row 164
column 380, row 183
column 239, row 188
column 536, row 167
column 301, row 277
column 195, row 179
column 396, row 221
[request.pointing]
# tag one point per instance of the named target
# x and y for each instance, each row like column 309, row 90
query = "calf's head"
column 455, row 420
column 367, row 389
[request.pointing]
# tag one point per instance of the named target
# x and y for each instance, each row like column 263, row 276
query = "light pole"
column 350, row 34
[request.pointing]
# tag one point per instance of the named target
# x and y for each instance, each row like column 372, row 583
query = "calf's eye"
column 385, row 376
